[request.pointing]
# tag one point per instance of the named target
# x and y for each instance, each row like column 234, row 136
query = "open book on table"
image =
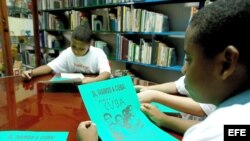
column 115, row 109
column 66, row 78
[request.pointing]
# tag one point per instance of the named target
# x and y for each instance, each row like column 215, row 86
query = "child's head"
column 81, row 39
column 218, row 60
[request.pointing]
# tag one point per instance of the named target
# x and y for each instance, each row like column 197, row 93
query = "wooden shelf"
column 172, row 68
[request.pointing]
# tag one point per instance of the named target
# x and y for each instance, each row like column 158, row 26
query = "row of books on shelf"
column 67, row 20
column 120, row 19
column 126, row 19
column 54, row 22
column 141, row 20
column 146, row 52
column 28, row 58
column 58, row 41
column 51, row 41
column 59, row 4
column 102, row 45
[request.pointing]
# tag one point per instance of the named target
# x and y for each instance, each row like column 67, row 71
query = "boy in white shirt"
column 218, row 66
column 81, row 57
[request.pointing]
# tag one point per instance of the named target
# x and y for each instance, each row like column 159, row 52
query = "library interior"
column 111, row 70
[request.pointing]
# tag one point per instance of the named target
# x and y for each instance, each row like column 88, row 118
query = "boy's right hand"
column 87, row 131
column 27, row 75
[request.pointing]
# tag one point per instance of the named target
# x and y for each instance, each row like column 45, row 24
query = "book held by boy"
column 115, row 109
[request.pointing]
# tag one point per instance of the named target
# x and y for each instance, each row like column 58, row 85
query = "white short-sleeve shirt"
column 233, row 111
column 180, row 85
column 95, row 61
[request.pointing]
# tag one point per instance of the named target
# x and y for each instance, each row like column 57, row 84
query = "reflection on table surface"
column 39, row 106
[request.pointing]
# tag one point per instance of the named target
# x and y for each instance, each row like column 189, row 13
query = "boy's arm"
column 101, row 76
column 45, row 69
column 169, row 87
column 184, row 104
column 170, row 122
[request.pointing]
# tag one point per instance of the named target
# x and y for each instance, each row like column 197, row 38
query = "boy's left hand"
column 27, row 75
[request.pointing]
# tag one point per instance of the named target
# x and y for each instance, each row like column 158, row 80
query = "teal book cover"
column 115, row 109
column 33, row 136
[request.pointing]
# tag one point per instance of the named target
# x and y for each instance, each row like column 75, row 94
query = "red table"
column 27, row 106
column 35, row 106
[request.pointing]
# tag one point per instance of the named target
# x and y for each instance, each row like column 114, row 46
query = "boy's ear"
column 230, row 57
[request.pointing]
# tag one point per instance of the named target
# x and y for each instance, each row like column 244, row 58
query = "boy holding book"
column 218, row 66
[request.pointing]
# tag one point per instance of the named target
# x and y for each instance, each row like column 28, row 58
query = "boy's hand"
column 87, row 131
column 153, row 113
column 27, row 75
column 146, row 96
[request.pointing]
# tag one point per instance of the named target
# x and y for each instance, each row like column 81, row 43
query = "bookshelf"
column 172, row 68
column 177, row 12
column 5, row 50
column 18, row 26
column 22, row 24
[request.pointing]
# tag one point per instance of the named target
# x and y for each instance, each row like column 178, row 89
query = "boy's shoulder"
column 96, row 50
column 67, row 51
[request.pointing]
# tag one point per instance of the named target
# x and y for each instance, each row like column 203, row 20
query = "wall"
column 20, row 26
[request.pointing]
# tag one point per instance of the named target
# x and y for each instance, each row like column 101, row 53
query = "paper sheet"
column 72, row 75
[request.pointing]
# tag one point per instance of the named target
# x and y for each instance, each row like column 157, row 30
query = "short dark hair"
column 220, row 24
column 82, row 33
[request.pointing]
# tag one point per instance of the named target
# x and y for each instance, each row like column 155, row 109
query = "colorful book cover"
column 115, row 109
